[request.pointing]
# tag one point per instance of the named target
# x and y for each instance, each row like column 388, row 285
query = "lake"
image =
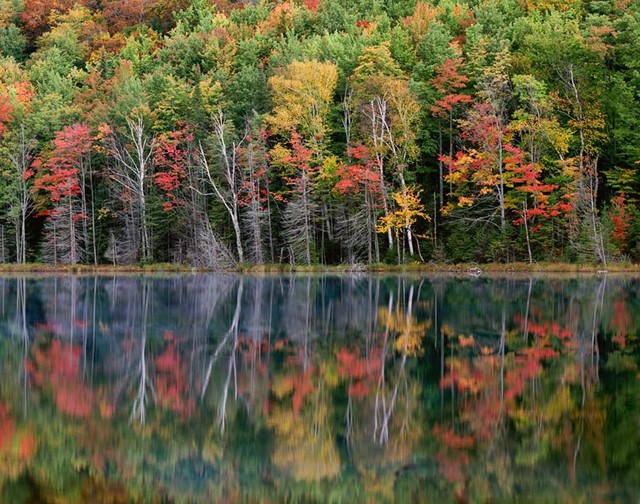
column 228, row 388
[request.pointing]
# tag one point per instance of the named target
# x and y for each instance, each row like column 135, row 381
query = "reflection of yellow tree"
column 409, row 331
column 304, row 448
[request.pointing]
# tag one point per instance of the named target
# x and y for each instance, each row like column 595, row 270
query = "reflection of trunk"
column 231, row 369
column 503, row 335
column 231, row 335
column 526, row 314
column 594, row 352
column 384, row 408
column 380, row 401
column 139, row 409
column 21, row 313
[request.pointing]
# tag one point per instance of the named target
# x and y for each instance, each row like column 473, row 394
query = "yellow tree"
column 302, row 95
column 409, row 209
column 388, row 113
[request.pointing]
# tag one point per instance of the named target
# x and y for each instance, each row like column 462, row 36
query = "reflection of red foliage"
column 59, row 367
column 451, row 439
column 364, row 370
column 545, row 329
column 621, row 322
column 311, row 5
column 526, row 368
column 451, row 465
column 172, row 383
column 352, row 365
column 7, row 427
column 302, row 387
column 27, row 445
column 467, row 377
column 359, row 390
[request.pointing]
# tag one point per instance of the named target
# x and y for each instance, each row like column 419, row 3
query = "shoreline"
column 433, row 268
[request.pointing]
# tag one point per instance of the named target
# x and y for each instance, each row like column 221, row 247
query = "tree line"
column 214, row 133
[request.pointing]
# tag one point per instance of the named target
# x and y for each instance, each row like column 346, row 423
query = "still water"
column 214, row 388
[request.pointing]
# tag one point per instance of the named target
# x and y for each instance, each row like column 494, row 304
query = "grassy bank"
column 448, row 268
column 322, row 268
column 99, row 269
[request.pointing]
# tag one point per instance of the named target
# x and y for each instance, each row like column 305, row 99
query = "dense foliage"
column 209, row 132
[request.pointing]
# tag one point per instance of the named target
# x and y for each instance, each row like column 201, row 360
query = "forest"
column 218, row 133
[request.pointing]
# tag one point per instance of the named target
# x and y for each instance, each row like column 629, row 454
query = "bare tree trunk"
column 231, row 174
column 21, row 159
column 526, row 230
column 377, row 118
column 134, row 169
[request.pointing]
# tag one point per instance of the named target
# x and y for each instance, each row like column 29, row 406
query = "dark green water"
column 210, row 388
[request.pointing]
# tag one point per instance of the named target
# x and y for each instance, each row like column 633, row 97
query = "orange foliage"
column 621, row 218
column 545, row 329
column 465, row 376
column 526, row 368
column 121, row 15
column 451, row 465
column 280, row 19
column 352, row 365
column 421, row 19
column 37, row 13
column 311, row 5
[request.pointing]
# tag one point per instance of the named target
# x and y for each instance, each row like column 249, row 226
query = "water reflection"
column 309, row 388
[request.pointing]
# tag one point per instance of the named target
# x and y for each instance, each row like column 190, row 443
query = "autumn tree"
column 409, row 209
column 67, row 178
column 569, row 61
column 255, row 196
column 226, row 180
column 358, row 184
column 302, row 94
column 449, row 82
column 375, row 68
column 18, row 145
column 298, row 164
column 178, row 175
column 132, row 150
column 478, row 175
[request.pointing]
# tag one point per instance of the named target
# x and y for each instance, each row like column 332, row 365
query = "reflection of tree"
column 320, row 386
column 231, row 367
column 58, row 366
column 305, row 447
column 541, row 388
